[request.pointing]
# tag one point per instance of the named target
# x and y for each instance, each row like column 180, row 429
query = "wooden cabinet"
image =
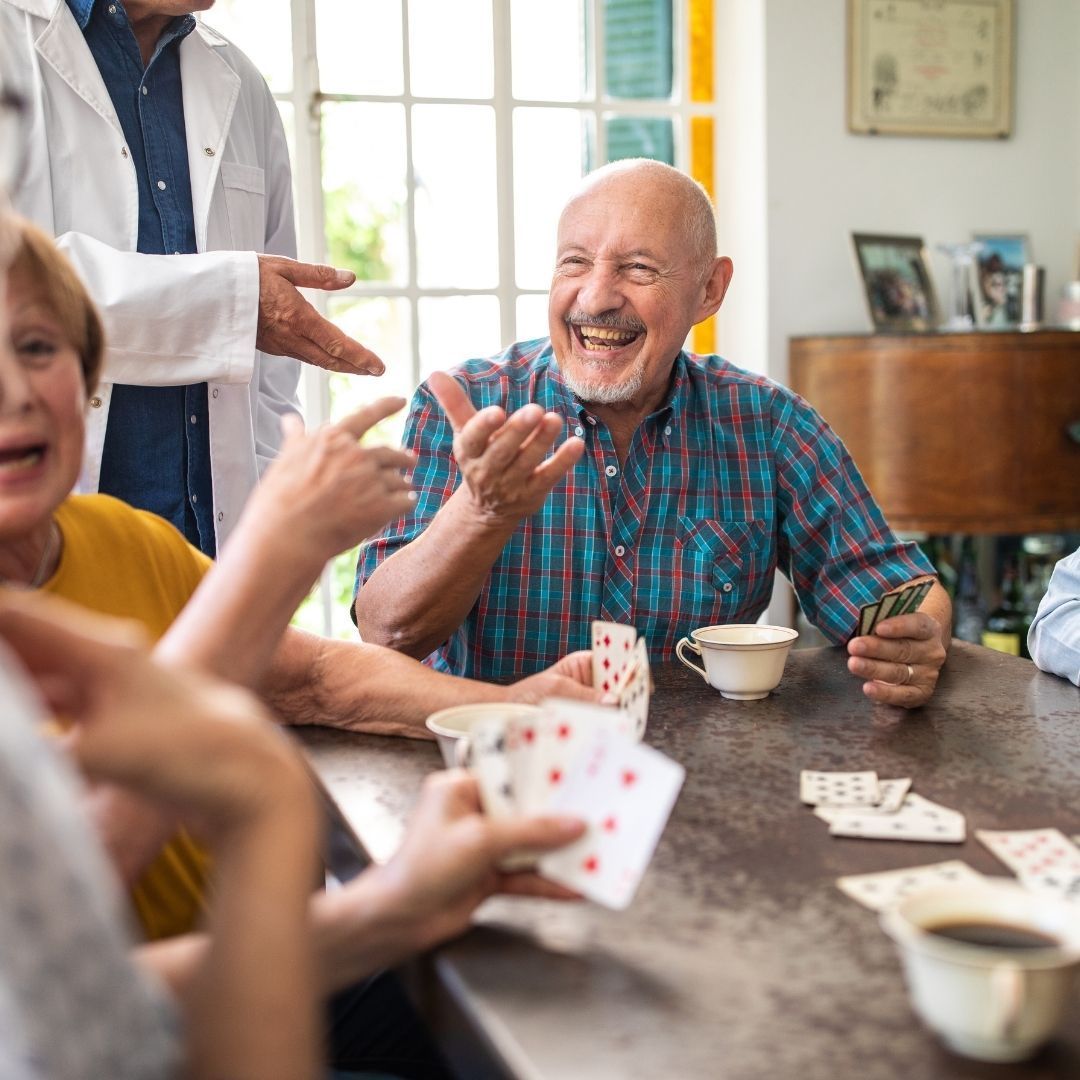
column 963, row 432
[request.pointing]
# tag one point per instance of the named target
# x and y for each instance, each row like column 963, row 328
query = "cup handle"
column 696, row 649
column 1007, row 998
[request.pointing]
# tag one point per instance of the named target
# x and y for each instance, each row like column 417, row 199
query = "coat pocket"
column 245, row 204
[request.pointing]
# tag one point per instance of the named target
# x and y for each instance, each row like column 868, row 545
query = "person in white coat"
column 188, row 333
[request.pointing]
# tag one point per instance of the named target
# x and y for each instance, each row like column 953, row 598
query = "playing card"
column 915, row 594
column 918, row 819
column 625, row 792
column 877, row 891
column 487, row 759
column 868, row 617
column 637, row 689
column 1033, row 852
column 893, row 793
column 890, row 605
column 839, row 788
column 612, row 648
column 541, row 749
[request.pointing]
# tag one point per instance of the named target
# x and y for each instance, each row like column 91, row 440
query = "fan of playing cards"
column 897, row 602
column 585, row 761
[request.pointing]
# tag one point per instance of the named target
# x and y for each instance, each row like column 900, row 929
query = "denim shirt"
column 157, row 444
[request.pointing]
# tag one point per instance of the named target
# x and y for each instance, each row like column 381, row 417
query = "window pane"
column 548, row 50
column 359, row 46
column 456, row 213
column 364, row 192
column 382, row 324
column 263, row 29
column 457, row 328
column 547, row 167
column 638, row 48
column 450, row 49
column 640, row 136
column 532, row 317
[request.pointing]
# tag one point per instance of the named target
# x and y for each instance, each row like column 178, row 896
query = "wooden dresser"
column 955, row 432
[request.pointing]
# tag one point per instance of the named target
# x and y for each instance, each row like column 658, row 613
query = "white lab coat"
column 170, row 320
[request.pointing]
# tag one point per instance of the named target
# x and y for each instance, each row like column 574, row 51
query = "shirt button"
column 727, row 586
column 145, row 91
column 667, row 430
column 193, row 418
column 591, row 419
column 95, row 403
column 112, row 9
column 611, row 470
column 579, row 431
column 194, row 499
column 161, row 185
column 620, row 551
column 176, row 252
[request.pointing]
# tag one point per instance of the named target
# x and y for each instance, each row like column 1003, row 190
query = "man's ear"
column 716, row 285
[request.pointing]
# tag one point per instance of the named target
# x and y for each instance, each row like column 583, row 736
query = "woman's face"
column 42, row 403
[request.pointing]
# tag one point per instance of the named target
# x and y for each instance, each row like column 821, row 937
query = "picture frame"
column 897, row 283
column 1000, row 266
column 930, row 67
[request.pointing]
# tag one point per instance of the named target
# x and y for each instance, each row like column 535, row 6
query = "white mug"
column 744, row 661
column 987, row 1002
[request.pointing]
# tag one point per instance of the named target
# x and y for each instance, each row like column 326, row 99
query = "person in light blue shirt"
column 1054, row 637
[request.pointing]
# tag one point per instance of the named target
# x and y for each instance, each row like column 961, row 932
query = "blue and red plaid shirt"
column 731, row 478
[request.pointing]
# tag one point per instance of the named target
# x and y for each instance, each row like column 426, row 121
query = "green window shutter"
column 638, row 51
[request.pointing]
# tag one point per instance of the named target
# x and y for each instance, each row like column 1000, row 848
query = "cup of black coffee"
column 989, row 966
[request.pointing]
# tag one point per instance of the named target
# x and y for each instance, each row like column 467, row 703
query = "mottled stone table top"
column 739, row 958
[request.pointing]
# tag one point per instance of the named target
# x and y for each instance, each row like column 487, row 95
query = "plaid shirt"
column 731, row 478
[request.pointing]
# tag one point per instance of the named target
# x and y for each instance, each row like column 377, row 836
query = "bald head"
column 654, row 184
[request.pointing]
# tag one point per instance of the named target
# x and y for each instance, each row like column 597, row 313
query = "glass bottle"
column 1007, row 625
column 970, row 615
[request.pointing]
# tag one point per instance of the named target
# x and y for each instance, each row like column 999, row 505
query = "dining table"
column 739, row 957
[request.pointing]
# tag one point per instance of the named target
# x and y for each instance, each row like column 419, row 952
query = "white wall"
column 821, row 183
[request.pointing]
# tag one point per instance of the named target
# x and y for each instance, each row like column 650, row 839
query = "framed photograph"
column 1000, row 269
column 930, row 67
column 896, row 277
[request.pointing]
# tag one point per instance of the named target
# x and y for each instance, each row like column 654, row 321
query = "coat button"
column 95, row 403
column 123, row 151
column 208, row 151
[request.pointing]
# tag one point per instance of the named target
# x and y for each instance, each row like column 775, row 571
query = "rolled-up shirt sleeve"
column 1054, row 637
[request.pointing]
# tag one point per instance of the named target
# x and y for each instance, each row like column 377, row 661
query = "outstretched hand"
column 326, row 492
column 289, row 326
column 504, row 460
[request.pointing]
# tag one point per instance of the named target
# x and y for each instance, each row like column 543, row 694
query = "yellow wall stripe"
column 702, row 136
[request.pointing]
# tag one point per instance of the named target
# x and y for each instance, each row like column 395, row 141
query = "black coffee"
column 995, row 935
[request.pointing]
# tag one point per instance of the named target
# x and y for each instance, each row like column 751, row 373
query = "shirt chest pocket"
column 245, row 204
column 727, row 554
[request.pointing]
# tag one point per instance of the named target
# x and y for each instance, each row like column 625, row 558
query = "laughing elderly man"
column 685, row 483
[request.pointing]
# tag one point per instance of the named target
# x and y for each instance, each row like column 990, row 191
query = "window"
column 433, row 147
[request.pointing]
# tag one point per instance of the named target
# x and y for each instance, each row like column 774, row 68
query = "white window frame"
column 307, row 98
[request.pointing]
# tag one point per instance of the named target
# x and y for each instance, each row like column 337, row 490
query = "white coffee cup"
column 744, row 661
column 987, row 1002
column 451, row 726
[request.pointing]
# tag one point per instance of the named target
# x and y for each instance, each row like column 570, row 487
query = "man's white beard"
column 603, row 393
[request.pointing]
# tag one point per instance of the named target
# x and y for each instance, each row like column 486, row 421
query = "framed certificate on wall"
column 930, row 67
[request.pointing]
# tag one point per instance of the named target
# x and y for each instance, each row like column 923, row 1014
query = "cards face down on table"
column 897, row 602
column 1044, row 860
column 582, row 761
column 620, row 666
column 858, row 804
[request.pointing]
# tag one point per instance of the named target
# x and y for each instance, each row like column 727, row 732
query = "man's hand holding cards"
column 897, row 647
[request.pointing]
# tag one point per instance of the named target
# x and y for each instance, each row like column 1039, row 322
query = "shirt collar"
column 180, row 27
column 82, row 10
